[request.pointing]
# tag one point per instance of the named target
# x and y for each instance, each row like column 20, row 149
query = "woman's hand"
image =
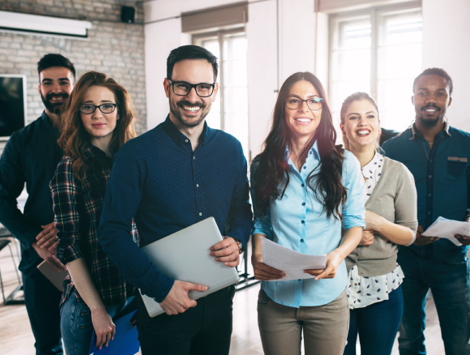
column 103, row 326
column 264, row 272
column 333, row 260
column 367, row 238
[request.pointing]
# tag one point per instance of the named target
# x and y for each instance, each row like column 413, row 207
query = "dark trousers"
column 377, row 326
column 202, row 330
column 42, row 304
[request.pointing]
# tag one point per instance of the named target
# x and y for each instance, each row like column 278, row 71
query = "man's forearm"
column 16, row 223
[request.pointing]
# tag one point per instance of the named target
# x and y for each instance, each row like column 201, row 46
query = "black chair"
column 10, row 299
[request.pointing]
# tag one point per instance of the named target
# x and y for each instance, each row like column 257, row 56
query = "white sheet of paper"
column 447, row 228
column 291, row 262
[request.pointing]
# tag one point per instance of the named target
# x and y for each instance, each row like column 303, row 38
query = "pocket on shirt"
column 456, row 166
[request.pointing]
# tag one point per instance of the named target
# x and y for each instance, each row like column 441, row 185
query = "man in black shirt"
column 31, row 156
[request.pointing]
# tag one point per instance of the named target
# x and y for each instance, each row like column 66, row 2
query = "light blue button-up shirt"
column 298, row 221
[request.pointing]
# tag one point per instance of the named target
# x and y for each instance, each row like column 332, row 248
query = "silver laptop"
column 184, row 256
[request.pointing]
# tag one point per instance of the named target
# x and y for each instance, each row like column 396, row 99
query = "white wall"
column 446, row 45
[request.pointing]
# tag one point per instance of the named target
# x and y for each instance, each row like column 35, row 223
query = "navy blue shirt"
column 159, row 181
column 442, row 177
column 30, row 156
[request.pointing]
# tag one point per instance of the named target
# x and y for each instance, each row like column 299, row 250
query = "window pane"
column 235, row 73
column 237, row 125
column 354, row 34
column 401, row 28
column 394, row 100
column 213, row 118
column 400, row 61
column 211, row 45
column 236, row 100
column 351, row 65
column 235, row 47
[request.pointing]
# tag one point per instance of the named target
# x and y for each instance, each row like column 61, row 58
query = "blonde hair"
column 357, row 96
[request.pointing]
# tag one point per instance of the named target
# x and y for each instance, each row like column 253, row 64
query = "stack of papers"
column 291, row 262
column 447, row 228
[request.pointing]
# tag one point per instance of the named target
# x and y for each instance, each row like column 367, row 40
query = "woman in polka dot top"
column 374, row 294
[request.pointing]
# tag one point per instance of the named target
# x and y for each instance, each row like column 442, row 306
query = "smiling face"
column 302, row 122
column 361, row 124
column 431, row 99
column 190, row 110
column 55, row 86
column 99, row 125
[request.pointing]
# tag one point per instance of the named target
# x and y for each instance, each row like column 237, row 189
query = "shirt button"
column 430, row 160
column 194, row 158
column 301, row 240
column 303, row 203
column 197, row 185
column 429, row 195
column 200, row 213
column 302, row 185
column 186, row 140
column 305, row 167
column 302, row 221
column 429, row 212
column 430, row 176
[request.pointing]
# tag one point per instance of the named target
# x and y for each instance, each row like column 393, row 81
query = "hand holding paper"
column 292, row 263
column 448, row 229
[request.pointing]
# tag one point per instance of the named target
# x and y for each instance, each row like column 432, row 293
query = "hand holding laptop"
column 226, row 252
column 177, row 300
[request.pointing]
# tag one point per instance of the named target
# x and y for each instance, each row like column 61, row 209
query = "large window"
column 230, row 111
column 377, row 51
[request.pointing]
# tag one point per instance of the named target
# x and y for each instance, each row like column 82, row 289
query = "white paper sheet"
column 447, row 228
column 291, row 262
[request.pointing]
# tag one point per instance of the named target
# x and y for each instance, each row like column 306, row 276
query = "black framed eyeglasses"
column 182, row 88
column 105, row 108
column 294, row 102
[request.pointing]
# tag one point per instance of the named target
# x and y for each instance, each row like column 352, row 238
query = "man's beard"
column 53, row 108
column 176, row 108
column 429, row 123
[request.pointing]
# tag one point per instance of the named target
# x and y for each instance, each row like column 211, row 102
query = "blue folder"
column 125, row 340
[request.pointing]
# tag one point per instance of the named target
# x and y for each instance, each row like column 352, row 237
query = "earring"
column 118, row 117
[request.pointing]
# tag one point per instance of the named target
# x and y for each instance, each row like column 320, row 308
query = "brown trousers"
column 325, row 327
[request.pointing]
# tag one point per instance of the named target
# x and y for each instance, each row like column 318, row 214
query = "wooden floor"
column 16, row 337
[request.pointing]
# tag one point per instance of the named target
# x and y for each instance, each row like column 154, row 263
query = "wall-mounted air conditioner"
column 34, row 24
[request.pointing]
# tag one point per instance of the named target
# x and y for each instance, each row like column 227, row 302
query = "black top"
column 30, row 156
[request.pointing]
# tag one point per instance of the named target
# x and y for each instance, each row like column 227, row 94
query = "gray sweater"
column 394, row 198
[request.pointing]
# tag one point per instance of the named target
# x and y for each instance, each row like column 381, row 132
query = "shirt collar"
column 414, row 130
column 370, row 167
column 179, row 138
column 313, row 151
column 93, row 152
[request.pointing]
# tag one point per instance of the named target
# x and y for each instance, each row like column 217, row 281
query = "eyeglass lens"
column 202, row 90
column 313, row 103
column 104, row 108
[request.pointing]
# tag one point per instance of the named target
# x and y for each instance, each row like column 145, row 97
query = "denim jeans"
column 448, row 279
column 377, row 326
column 76, row 326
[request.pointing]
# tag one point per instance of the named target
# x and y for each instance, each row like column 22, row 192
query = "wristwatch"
column 240, row 245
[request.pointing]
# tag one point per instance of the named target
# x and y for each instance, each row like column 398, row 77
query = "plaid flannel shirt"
column 77, row 209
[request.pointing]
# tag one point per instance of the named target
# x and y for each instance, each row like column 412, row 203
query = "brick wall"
column 112, row 47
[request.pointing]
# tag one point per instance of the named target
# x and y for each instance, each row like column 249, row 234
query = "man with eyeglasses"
column 31, row 156
column 175, row 175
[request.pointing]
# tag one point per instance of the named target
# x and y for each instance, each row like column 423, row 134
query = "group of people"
column 96, row 194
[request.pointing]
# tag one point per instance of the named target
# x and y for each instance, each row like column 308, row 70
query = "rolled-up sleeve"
column 262, row 222
column 64, row 191
column 353, row 210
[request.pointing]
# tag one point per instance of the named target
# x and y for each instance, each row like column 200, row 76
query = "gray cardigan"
column 394, row 198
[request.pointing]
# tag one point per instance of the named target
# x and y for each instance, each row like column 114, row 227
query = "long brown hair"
column 74, row 139
column 272, row 169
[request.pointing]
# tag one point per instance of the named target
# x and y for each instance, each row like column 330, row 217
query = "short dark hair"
column 55, row 60
column 436, row 71
column 190, row 52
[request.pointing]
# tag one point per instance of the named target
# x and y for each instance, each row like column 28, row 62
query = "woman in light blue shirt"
column 305, row 190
